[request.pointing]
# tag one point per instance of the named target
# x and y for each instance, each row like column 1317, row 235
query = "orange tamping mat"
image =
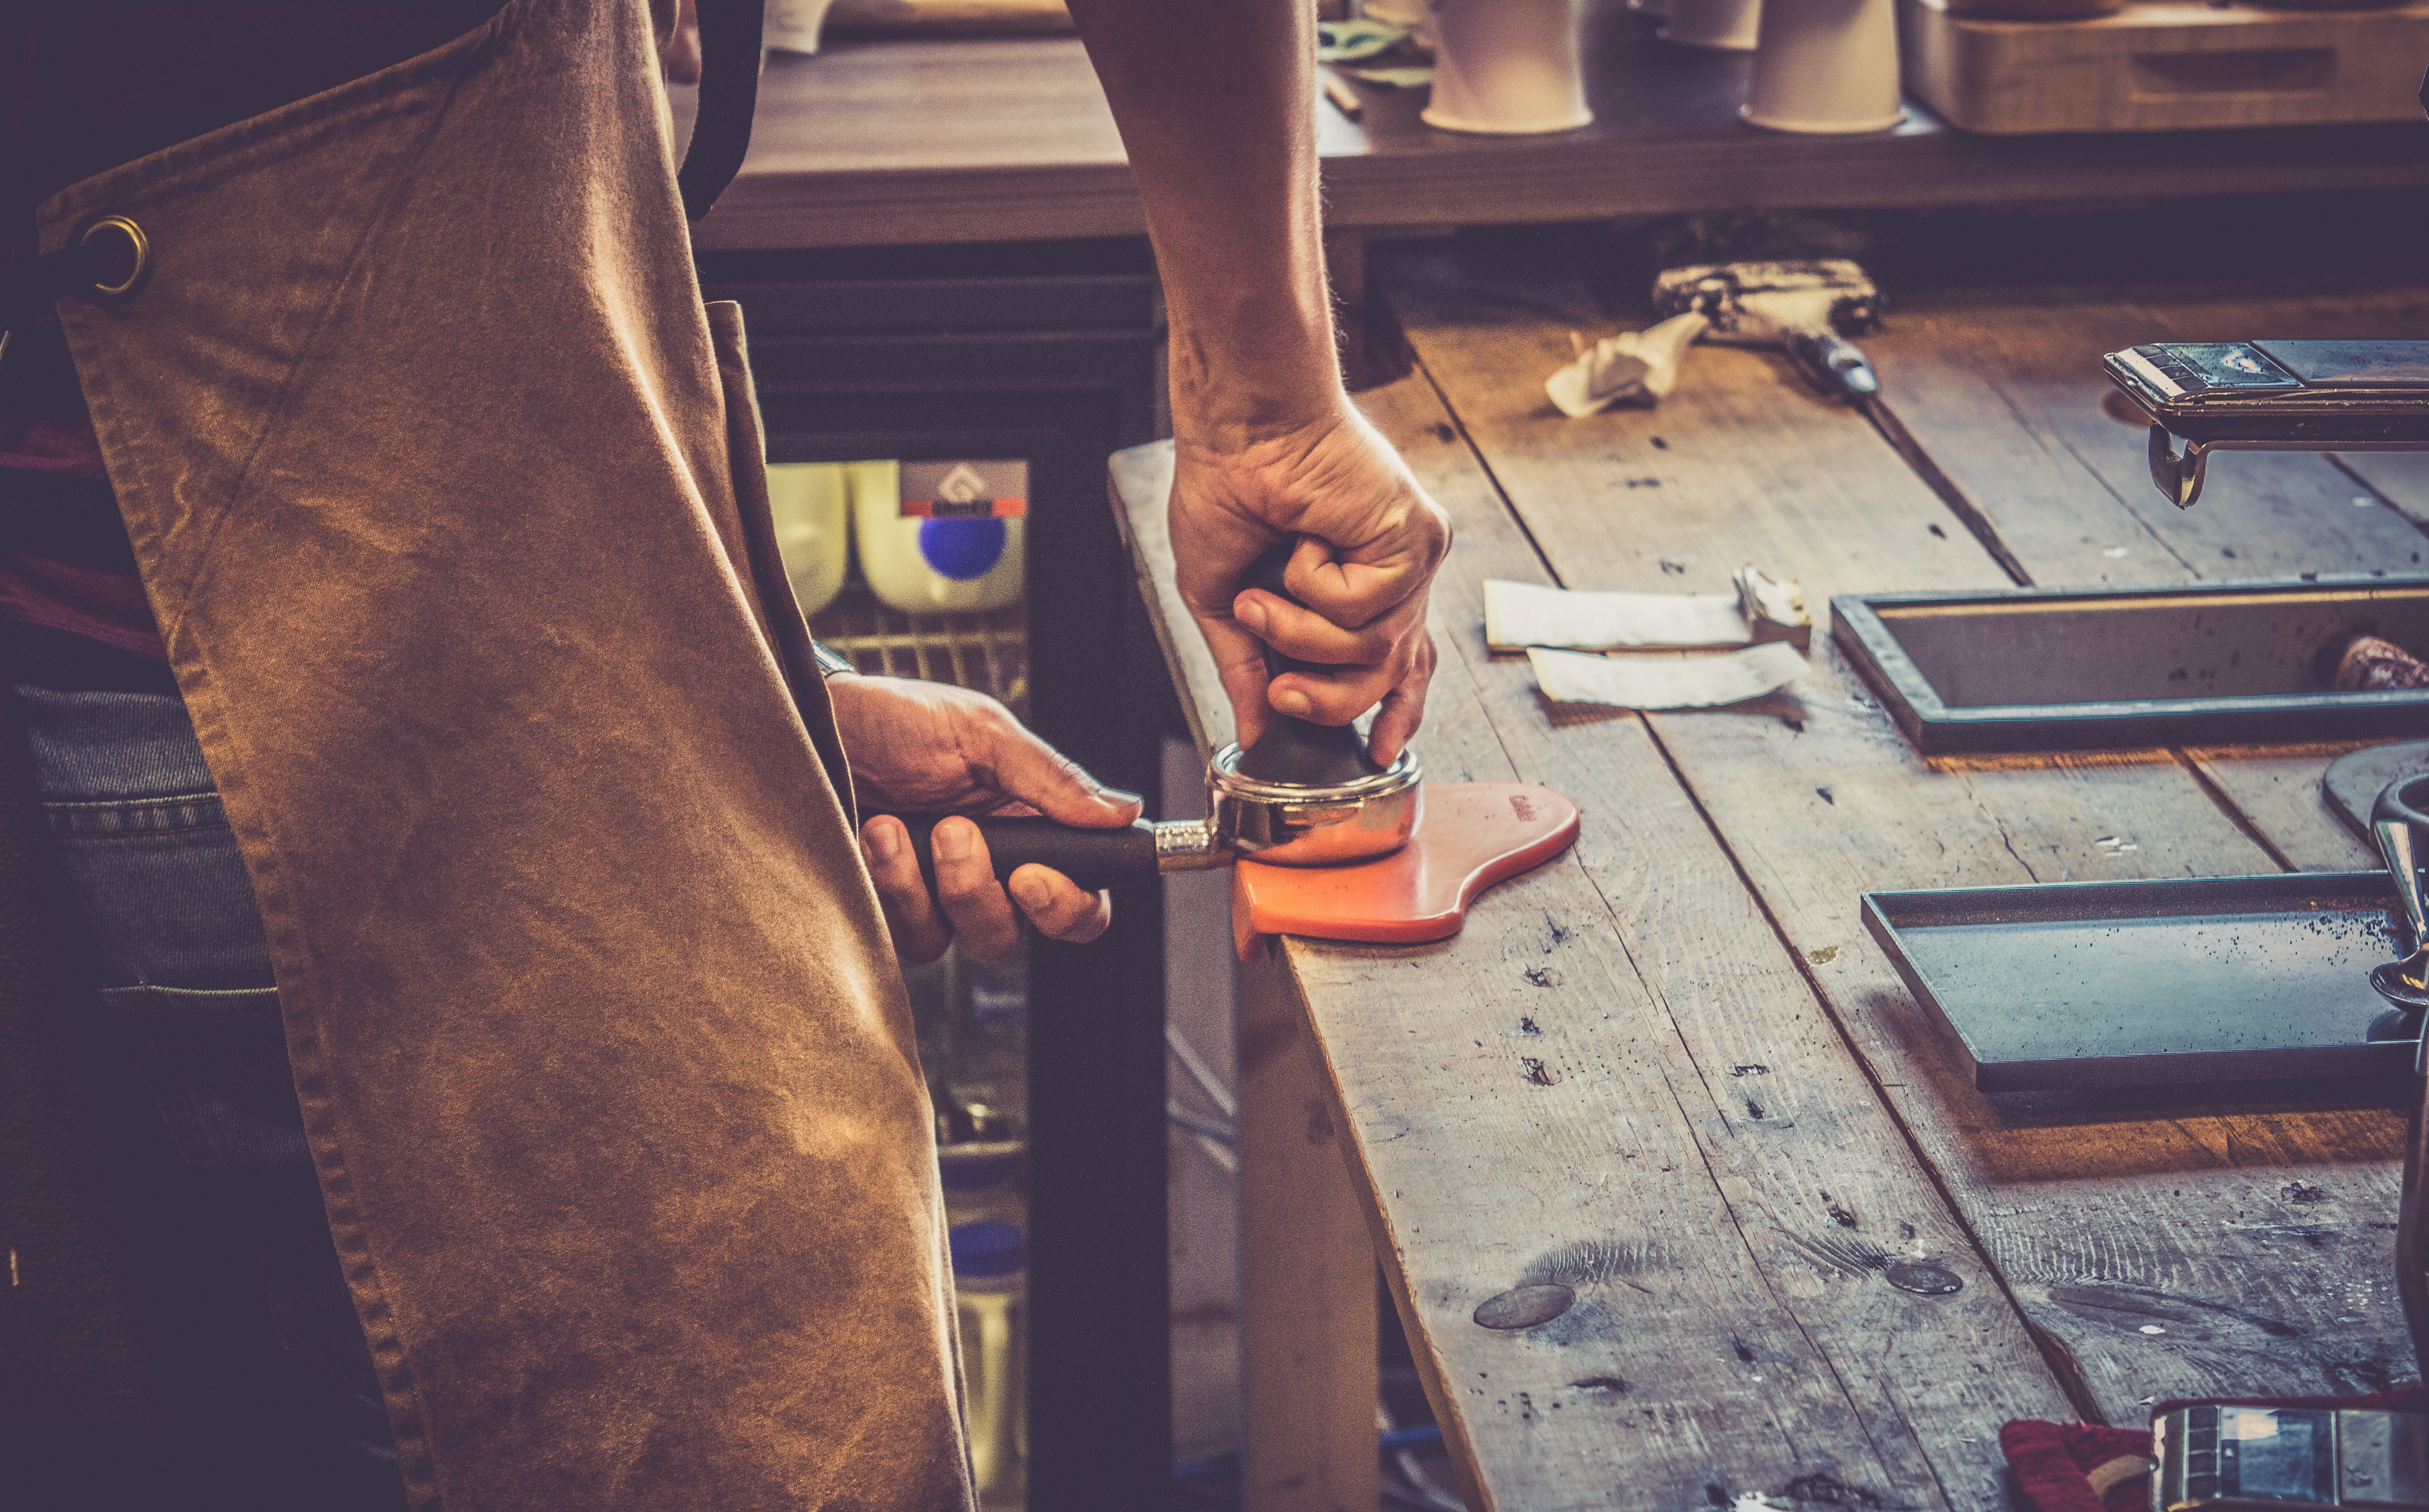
column 1472, row 835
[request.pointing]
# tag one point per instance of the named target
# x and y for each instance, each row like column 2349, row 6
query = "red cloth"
column 65, row 447
column 103, row 606
column 2054, row 1462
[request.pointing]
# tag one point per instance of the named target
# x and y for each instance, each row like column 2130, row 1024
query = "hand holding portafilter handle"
column 1252, row 811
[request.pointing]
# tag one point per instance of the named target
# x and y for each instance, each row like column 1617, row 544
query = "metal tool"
column 2354, row 781
column 2392, row 823
column 2200, row 663
column 2403, row 982
column 1304, row 795
column 1809, row 309
column 2184, row 981
column 2272, row 396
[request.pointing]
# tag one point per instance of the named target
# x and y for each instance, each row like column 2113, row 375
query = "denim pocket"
column 160, row 887
column 217, row 1060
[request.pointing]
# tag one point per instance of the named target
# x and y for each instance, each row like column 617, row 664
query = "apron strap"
column 730, row 33
column 109, row 260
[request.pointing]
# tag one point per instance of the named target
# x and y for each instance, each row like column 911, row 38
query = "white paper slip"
column 1671, row 679
column 1519, row 615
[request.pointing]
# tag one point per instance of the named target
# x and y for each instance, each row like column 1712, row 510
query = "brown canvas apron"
column 448, row 497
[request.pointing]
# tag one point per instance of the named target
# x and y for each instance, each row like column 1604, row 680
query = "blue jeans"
column 261, row 1371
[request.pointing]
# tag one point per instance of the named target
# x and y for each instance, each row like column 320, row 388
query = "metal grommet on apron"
column 113, row 273
column 107, row 263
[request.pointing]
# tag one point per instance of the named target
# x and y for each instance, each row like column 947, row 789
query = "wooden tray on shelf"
column 2173, row 66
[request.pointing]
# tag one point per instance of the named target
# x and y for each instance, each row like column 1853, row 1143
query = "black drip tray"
column 2086, row 984
column 2076, row 669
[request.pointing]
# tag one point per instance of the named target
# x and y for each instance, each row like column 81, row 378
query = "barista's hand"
column 1377, row 540
column 931, row 748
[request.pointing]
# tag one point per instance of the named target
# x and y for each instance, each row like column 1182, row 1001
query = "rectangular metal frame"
column 1864, row 627
column 1886, row 914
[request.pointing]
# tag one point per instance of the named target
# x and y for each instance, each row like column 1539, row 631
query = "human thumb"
column 1034, row 773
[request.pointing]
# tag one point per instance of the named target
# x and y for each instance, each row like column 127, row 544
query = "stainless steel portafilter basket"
column 1286, row 824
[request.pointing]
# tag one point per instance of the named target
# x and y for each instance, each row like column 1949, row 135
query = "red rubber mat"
column 1472, row 835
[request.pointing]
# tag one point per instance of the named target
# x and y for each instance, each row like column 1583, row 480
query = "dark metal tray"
column 2178, row 664
column 2093, row 984
column 2354, row 779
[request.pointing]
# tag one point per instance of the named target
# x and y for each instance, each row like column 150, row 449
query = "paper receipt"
column 1667, row 680
column 1519, row 615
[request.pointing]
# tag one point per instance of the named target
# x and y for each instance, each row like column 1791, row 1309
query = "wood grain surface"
column 880, row 141
column 2163, row 1243
column 1307, row 1326
column 1616, row 1081
column 2008, row 398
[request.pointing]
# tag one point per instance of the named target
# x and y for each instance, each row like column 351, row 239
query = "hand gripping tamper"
column 1325, row 842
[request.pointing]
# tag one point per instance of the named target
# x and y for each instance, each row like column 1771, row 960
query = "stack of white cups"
column 1827, row 66
column 1724, row 25
column 1506, row 67
column 793, row 25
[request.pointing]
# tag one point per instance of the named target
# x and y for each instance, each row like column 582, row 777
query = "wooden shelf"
column 915, row 141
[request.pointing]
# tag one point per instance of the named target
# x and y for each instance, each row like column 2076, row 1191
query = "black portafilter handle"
column 1297, row 751
column 1091, row 858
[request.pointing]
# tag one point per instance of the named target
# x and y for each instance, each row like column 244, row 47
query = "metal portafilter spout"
column 1304, row 795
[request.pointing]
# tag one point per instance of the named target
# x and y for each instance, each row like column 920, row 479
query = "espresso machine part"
column 1279, row 823
column 1304, row 795
column 2273, row 396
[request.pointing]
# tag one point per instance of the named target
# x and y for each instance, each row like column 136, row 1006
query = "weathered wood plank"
column 2242, row 1238
column 2278, row 790
column 1307, row 1334
column 2401, row 478
column 1617, row 1080
column 2008, row 398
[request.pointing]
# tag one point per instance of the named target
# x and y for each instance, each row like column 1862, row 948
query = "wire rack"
column 987, row 652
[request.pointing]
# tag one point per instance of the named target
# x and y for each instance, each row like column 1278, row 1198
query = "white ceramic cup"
column 793, row 25
column 1826, row 66
column 1726, row 25
column 812, row 518
column 1506, row 68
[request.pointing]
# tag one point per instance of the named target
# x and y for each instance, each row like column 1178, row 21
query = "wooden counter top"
column 909, row 142
column 1670, row 1071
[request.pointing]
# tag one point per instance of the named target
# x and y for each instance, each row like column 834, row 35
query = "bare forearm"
column 1214, row 98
